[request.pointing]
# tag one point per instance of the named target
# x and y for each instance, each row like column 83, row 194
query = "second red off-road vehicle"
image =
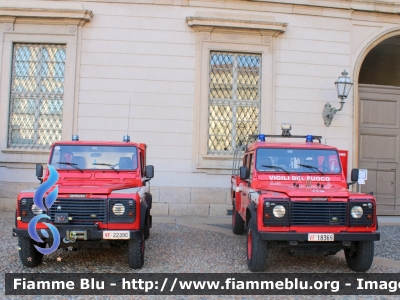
column 295, row 196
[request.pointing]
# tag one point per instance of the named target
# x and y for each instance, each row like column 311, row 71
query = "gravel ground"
column 389, row 245
column 174, row 248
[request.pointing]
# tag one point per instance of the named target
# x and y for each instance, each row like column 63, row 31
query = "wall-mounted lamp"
column 343, row 87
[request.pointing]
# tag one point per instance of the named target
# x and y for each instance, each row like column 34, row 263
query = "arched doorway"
column 379, row 124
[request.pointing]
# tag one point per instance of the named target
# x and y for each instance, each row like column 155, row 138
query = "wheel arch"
column 251, row 214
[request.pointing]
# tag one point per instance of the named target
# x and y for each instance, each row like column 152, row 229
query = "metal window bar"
column 37, row 95
column 234, row 100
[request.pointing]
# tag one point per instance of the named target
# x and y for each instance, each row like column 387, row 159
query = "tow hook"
column 75, row 235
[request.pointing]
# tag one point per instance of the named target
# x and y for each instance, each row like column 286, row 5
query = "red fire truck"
column 295, row 196
column 103, row 199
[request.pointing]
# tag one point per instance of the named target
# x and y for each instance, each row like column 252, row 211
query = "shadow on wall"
column 381, row 66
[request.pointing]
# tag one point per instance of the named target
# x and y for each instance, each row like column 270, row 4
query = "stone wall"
column 166, row 200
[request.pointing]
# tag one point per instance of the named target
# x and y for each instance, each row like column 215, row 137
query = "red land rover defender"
column 295, row 195
column 103, row 199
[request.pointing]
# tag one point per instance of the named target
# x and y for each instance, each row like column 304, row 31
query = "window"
column 234, row 59
column 234, row 100
column 298, row 160
column 37, row 95
column 94, row 157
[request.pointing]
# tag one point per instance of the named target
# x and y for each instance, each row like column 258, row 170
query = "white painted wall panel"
column 307, row 82
column 305, row 70
column 136, row 35
column 136, row 112
column 305, row 45
column 96, row 46
column 148, row 99
column 312, row 58
column 133, row 86
column 168, row 152
column 140, row 73
column 317, row 34
column 139, row 22
column 134, row 60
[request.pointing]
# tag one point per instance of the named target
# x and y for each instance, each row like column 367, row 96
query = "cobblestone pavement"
column 184, row 245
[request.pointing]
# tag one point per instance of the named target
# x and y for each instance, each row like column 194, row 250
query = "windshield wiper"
column 312, row 168
column 74, row 165
column 276, row 168
column 108, row 165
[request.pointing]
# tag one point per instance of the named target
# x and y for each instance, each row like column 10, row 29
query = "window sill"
column 25, row 151
column 215, row 164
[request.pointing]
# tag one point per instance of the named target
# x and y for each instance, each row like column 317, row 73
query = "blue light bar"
column 261, row 137
column 309, row 138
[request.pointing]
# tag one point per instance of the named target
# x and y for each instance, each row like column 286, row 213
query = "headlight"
column 36, row 210
column 356, row 212
column 279, row 211
column 118, row 209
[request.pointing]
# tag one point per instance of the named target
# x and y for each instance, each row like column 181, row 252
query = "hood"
column 104, row 189
column 304, row 190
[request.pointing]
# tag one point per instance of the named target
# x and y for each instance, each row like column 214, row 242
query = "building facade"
column 192, row 79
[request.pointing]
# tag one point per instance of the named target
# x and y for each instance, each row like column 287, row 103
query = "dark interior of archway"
column 382, row 64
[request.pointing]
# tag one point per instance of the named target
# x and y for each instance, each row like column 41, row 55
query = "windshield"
column 81, row 157
column 298, row 160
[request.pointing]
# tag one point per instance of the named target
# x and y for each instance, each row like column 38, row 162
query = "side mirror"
column 354, row 177
column 149, row 171
column 244, row 173
column 39, row 172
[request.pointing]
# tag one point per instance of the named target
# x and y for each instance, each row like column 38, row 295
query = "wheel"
column 136, row 252
column 237, row 221
column 28, row 254
column 256, row 250
column 360, row 255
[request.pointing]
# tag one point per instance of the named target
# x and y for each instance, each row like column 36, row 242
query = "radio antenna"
column 127, row 138
column 129, row 116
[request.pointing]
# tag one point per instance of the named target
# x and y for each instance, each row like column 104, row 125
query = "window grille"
column 37, row 94
column 234, row 100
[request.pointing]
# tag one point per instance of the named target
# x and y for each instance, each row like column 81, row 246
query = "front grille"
column 82, row 210
column 327, row 213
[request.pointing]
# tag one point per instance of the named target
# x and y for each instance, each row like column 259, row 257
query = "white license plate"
column 321, row 237
column 116, row 235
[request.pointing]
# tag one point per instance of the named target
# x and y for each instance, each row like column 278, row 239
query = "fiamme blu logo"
column 49, row 201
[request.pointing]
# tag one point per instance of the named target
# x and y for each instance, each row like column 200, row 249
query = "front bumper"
column 339, row 237
column 92, row 232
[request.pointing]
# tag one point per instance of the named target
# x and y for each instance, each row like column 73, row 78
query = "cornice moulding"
column 390, row 7
column 209, row 23
column 50, row 15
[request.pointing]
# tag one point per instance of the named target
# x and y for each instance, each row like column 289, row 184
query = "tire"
column 360, row 255
column 136, row 252
column 28, row 254
column 237, row 221
column 256, row 249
